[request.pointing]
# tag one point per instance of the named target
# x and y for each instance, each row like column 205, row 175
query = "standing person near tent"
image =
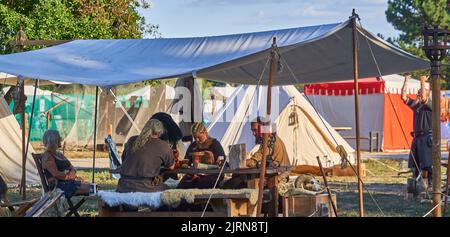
column 58, row 169
column 420, row 154
column 209, row 149
column 141, row 171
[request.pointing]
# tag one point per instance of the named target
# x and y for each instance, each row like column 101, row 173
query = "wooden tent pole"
column 95, row 133
column 356, row 87
column 265, row 133
column 24, row 155
column 20, row 39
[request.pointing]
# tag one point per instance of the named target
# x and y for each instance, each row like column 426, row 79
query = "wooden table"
column 252, row 178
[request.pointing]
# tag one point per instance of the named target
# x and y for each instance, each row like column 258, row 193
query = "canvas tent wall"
column 381, row 109
column 11, row 150
column 140, row 105
column 215, row 99
column 304, row 141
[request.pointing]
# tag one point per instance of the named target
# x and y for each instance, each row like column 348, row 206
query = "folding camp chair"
column 73, row 209
column 114, row 159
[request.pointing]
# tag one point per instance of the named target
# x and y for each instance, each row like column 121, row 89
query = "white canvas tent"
column 304, row 141
column 11, row 150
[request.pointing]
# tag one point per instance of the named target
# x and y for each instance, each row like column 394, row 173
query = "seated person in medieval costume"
column 277, row 155
column 207, row 150
column 172, row 134
column 58, row 169
column 140, row 172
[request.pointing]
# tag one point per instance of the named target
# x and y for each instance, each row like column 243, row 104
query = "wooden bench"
column 234, row 205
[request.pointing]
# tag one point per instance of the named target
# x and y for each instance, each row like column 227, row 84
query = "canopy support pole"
column 356, row 87
column 21, row 38
column 266, row 123
column 24, row 155
column 95, row 133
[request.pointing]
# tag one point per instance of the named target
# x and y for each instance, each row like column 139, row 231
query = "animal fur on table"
column 305, row 184
column 152, row 200
column 171, row 197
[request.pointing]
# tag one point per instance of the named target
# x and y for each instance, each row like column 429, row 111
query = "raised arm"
column 424, row 94
column 405, row 88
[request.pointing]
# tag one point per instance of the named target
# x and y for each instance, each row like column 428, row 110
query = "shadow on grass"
column 390, row 198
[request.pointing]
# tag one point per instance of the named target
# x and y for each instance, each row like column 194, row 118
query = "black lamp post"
column 436, row 47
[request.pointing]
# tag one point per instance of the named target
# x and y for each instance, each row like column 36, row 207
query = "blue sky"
column 186, row 18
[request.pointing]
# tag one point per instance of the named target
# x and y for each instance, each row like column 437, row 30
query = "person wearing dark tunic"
column 420, row 160
column 58, row 169
column 140, row 172
column 210, row 149
column 172, row 133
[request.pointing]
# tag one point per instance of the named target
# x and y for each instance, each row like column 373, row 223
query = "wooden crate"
column 308, row 205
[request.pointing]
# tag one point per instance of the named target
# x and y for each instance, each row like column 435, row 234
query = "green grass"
column 90, row 207
column 387, row 189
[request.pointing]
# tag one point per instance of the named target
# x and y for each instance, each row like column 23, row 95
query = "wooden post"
column 436, row 147
column 20, row 39
column 436, row 48
column 24, row 155
column 95, row 134
column 358, row 145
column 265, row 133
column 326, row 186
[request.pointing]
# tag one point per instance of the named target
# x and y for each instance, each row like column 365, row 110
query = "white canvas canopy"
column 304, row 141
column 321, row 53
column 11, row 150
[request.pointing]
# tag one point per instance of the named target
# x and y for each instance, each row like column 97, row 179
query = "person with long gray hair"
column 58, row 169
column 146, row 153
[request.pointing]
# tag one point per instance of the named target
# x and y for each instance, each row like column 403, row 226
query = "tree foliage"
column 73, row 19
column 410, row 16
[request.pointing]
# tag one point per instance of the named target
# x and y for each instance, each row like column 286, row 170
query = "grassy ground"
column 382, row 181
column 80, row 153
column 387, row 192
